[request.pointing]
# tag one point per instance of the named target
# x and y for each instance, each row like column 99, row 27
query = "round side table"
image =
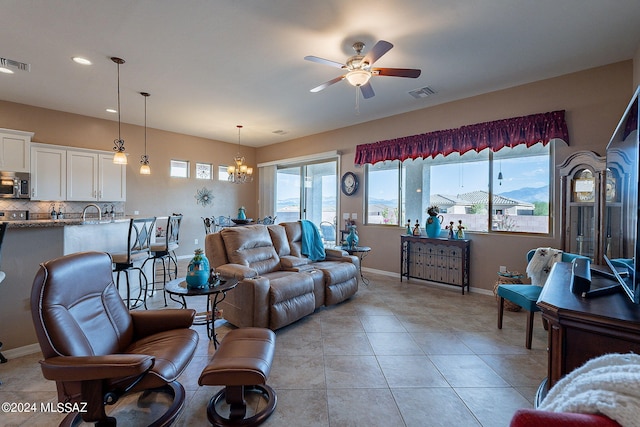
column 215, row 295
column 361, row 252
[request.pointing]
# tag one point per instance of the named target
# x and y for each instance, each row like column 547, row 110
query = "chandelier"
column 239, row 173
column 120, row 157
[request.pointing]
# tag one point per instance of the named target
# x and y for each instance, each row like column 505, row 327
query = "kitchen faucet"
column 84, row 211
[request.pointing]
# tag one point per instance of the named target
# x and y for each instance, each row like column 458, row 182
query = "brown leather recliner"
column 95, row 349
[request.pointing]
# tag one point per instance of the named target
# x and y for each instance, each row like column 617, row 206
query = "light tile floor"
column 396, row 354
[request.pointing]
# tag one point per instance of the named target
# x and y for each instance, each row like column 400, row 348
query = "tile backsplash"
column 42, row 210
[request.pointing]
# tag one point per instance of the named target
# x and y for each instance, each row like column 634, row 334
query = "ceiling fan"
column 359, row 68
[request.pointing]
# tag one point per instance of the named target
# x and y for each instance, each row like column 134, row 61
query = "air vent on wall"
column 422, row 92
column 6, row 63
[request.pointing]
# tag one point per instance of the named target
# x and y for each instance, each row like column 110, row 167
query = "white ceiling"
column 212, row 64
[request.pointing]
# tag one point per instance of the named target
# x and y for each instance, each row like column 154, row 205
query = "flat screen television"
column 621, row 208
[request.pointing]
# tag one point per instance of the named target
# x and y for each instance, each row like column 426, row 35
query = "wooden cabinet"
column 48, row 173
column 436, row 260
column 15, row 150
column 581, row 329
column 582, row 186
column 59, row 173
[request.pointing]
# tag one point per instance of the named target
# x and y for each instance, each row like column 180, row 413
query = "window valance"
column 495, row 135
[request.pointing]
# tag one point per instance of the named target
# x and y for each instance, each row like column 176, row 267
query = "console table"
column 581, row 329
column 436, row 260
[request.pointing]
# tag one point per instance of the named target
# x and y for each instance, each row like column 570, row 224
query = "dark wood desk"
column 580, row 328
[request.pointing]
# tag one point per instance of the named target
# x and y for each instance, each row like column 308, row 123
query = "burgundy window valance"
column 495, row 135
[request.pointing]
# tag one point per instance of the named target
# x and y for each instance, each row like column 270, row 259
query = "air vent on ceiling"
column 422, row 92
column 5, row 63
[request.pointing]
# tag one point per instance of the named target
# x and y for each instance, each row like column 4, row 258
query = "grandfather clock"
column 582, row 191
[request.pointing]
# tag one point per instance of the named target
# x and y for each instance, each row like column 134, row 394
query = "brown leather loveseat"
column 278, row 285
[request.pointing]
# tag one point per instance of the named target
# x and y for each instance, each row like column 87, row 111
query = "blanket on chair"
column 608, row 385
column 312, row 245
column 540, row 264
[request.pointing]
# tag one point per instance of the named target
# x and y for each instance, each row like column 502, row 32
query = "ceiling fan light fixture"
column 358, row 77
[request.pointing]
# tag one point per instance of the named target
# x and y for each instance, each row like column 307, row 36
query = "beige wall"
column 594, row 100
column 157, row 194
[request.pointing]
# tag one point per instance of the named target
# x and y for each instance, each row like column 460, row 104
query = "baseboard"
column 441, row 285
column 21, row 351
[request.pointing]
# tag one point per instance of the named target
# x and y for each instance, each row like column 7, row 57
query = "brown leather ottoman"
column 241, row 363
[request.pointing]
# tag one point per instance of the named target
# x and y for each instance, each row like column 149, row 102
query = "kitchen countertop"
column 46, row 223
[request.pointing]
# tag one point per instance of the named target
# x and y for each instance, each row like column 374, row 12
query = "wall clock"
column 349, row 183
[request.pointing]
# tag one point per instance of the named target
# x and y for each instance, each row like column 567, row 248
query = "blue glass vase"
column 241, row 213
column 434, row 226
column 198, row 271
column 352, row 237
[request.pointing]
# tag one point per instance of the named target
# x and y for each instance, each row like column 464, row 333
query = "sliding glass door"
column 309, row 191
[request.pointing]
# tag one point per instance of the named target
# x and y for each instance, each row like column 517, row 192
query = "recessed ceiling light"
column 111, row 110
column 5, row 70
column 80, row 60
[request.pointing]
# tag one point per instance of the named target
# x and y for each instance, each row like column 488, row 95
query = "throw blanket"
column 312, row 245
column 609, row 385
column 540, row 264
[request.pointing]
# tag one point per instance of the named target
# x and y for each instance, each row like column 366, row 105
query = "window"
column 383, row 182
column 179, row 169
column 223, row 174
column 505, row 191
column 203, row 171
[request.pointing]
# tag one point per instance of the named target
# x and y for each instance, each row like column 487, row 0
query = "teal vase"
column 352, row 237
column 198, row 271
column 241, row 213
column 434, row 226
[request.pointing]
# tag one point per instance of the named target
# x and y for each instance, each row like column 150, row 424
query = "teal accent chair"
column 526, row 296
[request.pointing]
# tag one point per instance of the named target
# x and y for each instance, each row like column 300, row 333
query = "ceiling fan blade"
column 324, row 61
column 377, row 51
column 397, row 72
column 326, row 84
column 367, row 90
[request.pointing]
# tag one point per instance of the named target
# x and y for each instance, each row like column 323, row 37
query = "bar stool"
column 165, row 251
column 138, row 249
column 210, row 225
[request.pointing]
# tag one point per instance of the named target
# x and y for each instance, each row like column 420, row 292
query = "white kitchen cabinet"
column 15, row 150
column 48, row 173
column 92, row 176
column 112, row 179
column 60, row 173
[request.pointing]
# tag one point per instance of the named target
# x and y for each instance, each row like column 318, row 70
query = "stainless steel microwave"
column 14, row 185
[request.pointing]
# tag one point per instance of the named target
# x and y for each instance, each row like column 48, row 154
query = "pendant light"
column 144, row 160
column 500, row 174
column 240, row 173
column 120, row 157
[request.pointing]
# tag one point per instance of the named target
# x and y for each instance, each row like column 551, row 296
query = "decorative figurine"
column 460, row 232
column 450, row 228
column 416, row 229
